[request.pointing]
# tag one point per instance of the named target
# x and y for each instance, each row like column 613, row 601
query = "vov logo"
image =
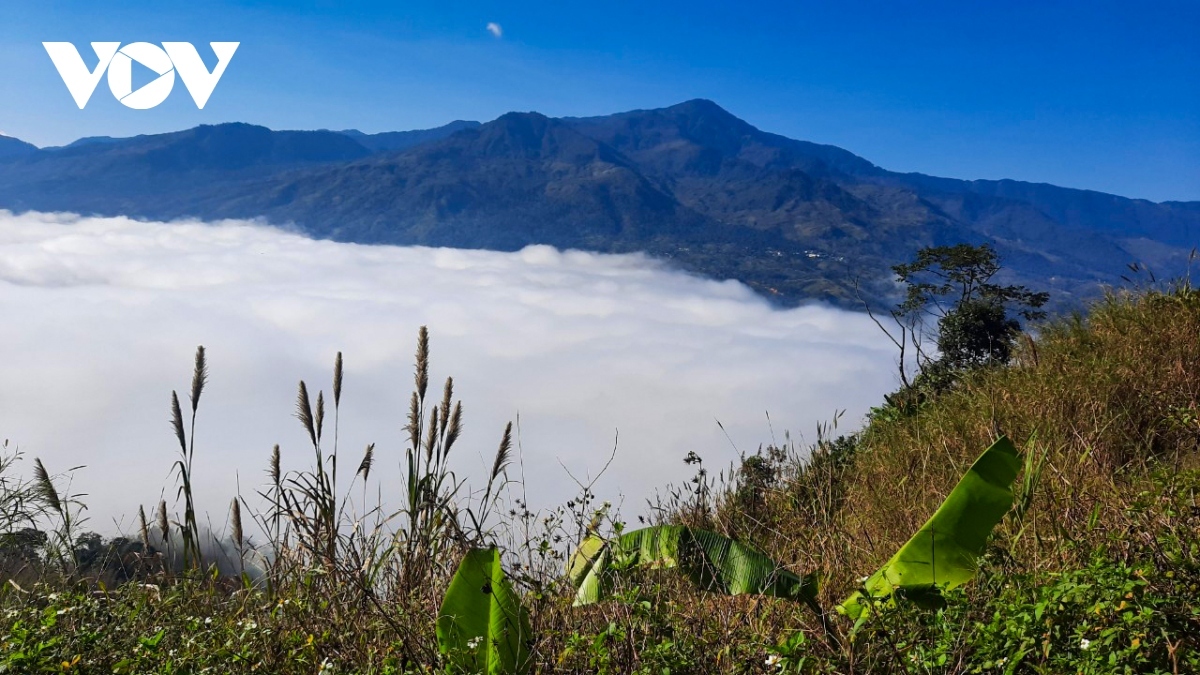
column 171, row 58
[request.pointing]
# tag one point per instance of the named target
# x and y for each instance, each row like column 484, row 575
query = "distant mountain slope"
column 523, row 178
column 691, row 182
column 11, row 148
column 390, row 141
column 1171, row 222
column 163, row 174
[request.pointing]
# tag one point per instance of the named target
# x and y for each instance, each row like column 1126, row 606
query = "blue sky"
column 1095, row 95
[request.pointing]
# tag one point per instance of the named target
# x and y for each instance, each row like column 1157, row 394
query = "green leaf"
column 943, row 554
column 713, row 562
column 482, row 627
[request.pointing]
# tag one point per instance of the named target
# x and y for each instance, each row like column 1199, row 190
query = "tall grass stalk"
column 189, row 529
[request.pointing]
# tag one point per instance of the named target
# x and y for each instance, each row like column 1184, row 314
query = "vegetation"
column 942, row 555
column 1095, row 568
column 950, row 296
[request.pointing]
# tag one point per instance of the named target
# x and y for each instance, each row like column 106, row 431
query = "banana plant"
column 711, row 561
column 943, row 554
column 482, row 626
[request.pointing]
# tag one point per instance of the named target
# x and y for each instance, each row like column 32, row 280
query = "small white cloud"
column 495, row 29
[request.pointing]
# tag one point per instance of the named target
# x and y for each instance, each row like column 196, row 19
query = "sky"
column 586, row 351
column 1098, row 95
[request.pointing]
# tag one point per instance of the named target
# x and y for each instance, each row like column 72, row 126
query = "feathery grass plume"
column 145, row 528
column 190, row 529
column 414, row 421
column 503, row 454
column 164, row 524
column 277, row 499
column 64, row 535
column 45, row 487
column 276, row 477
column 364, row 467
column 337, row 380
column 235, row 521
column 337, row 401
column 177, row 422
column 319, row 418
column 431, row 435
column 199, row 377
column 304, row 413
column 422, row 374
column 453, row 427
column 447, row 394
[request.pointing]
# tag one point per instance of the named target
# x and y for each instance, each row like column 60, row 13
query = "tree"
column 951, row 302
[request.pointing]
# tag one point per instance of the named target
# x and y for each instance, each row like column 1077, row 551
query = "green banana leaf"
column 482, row 626
column 713, row 562
column 943, row 554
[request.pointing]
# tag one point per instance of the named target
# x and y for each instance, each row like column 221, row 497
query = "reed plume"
column 364, row 467
column 305, row 414
column 177, row 422
column 276, row 476
column 319, row 418
column 199, row 378
column 447, row 394
column 414, row 421
column 503, row 454
column 454, row 426
column 145, row 528
column 45, row 487
column 61, row 504
column 164, row 524
column 235, row 518
column 422, row 374
column 337, row 380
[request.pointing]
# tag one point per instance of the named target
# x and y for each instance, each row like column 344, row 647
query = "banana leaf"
column 943, row 554
column 711, row 561
column 482, row 626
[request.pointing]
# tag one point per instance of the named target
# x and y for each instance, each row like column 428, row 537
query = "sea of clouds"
column 100, row 318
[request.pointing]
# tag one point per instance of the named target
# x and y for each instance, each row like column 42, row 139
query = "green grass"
column 1097, row 569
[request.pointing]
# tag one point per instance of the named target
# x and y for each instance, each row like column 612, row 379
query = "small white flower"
column 207, row 620
column 1085, row 643
column 473, row 642
column 774, row 661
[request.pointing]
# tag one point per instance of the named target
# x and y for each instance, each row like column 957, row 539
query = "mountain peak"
column 11, row 148
column 700, row 105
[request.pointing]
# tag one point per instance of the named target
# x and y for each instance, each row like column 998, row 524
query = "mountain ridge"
column 691, row 182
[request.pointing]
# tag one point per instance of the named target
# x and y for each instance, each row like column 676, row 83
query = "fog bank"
column 101, row 317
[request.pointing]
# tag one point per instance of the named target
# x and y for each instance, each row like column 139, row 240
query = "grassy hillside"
column 1096, row 569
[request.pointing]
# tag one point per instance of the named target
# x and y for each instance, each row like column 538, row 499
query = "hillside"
column 692, row 183
column 1094, row 569
column 12, row 148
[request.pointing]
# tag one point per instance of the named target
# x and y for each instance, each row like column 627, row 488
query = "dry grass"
column 1106, row 407
column 1098, row 404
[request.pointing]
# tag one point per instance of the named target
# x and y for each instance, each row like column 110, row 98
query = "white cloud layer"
column 495, row 29
column 101, row 317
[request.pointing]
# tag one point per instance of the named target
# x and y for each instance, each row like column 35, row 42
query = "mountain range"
column 691, row 183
